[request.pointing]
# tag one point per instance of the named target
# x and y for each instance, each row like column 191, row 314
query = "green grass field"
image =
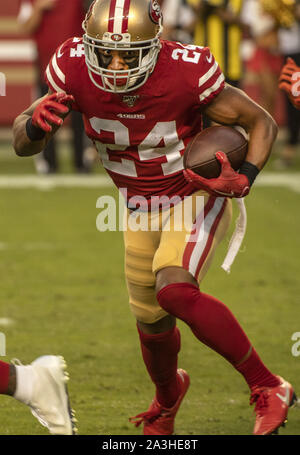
column 62, row 284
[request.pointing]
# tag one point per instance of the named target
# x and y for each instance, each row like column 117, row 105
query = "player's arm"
column 233, row 107
column 31, row 15
column 33, row 129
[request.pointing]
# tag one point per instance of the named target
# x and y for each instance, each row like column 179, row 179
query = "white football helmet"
column 131, row 27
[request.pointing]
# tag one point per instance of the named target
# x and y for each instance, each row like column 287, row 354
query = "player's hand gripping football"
column 289, row 75
column 48, row 111
column 228, row 184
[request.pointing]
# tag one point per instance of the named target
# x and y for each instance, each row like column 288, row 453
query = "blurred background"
column 30, row 32
column 249, row 38
column 62, row 281
column 17, row 57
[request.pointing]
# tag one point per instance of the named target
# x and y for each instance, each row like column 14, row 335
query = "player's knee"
column 171, row 286
column 166, row 298
column 179, row 299
column 171, row 275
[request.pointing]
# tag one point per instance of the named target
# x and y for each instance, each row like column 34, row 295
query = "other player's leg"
column 42, row 386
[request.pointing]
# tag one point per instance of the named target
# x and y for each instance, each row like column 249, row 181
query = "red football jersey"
column 141, row 136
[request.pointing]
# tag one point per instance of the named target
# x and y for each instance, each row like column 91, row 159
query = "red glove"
column 44, row 115
column 228, row 184
column 289, row 76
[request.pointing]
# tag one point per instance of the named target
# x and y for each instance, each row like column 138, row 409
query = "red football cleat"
column 158, row 420
column 272, row 404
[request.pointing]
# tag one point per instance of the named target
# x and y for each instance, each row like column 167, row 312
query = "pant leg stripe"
column 192, row 242
column 212, row 215
column 210, row 238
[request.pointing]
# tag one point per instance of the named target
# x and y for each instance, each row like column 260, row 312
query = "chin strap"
column 237, row 237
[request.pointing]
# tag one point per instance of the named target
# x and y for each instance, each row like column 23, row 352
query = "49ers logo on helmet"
column 154, row 11
column 116, row 37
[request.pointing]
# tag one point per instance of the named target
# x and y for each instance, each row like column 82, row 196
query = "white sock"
column 25, row 377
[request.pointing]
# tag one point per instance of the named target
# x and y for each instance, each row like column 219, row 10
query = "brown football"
column 199, row 155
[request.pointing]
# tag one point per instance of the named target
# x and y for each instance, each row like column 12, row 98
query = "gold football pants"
column 185, row 235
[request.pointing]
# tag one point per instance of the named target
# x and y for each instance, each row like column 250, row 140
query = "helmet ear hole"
column 140, row 33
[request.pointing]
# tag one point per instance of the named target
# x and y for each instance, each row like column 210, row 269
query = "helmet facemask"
column 138, row 70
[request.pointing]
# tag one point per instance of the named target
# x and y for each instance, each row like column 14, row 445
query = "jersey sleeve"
column 59, row 73
column 210, row 80
column 56, row 71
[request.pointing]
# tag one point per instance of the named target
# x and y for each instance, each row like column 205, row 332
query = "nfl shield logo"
column 130, row 100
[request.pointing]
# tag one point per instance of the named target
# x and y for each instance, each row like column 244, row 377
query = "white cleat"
column 50, row 400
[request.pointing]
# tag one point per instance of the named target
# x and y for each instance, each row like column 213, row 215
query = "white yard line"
column 48, row 182
column 279, row 179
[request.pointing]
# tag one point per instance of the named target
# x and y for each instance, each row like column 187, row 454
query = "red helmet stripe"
column 111, row 18
column 125, row 16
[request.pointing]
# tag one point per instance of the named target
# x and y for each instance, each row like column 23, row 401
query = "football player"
column 41, row 386
column 142, row 100
column 289, row 81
